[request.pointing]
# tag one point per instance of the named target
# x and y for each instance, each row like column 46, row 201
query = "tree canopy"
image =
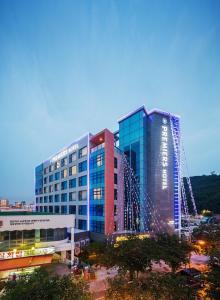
column 41, row 285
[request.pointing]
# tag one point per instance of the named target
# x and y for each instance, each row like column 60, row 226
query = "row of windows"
column 63, row 162
column 82, row 195
column 82, row 209
column 63, row 174
column 82, row 181
column 97, row 194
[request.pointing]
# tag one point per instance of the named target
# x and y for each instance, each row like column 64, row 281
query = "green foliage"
column 43, row 286
column 94, row 253
column 210, row 233
column 173, row 251
column 136, row 255
column 206, row 190
column 213, row 286
column 155, row 286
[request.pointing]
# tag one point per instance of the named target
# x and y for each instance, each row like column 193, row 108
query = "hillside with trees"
column 206, row 189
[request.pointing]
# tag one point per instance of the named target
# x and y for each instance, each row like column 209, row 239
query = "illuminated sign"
column 164, row 153
column 65, row 152
column 25, row 253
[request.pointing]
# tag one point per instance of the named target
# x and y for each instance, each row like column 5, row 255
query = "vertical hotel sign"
column 164, row 153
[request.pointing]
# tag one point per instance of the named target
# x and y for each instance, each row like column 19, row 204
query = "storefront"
column 32, row 239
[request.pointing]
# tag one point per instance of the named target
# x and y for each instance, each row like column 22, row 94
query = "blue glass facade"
column 132, row 141
column 97, row 191
column 151, row 142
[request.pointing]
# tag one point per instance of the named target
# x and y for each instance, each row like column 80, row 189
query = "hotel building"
column 88, row 179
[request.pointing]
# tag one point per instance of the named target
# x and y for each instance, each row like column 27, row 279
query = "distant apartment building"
column 4, row 203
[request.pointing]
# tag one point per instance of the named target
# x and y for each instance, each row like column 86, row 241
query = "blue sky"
column 69, row 67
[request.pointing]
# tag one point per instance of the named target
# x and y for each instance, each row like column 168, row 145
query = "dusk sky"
column 69, row 67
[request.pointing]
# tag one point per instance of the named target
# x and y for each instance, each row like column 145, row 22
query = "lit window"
column 97, row 193
column 99, row 160
column 72, row 170
column 64, row 173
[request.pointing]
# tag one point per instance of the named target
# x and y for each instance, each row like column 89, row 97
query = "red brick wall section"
column 109, row 182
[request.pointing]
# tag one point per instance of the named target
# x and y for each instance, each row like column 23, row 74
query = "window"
column 50, row 209
column 45, row 199
column 50, row 178
column 115, row 179
column 97, row 193
column 51, row 168
column 83, row 152
column 64, row 197
column 63, row 209
column 83, row 180
column 83, row 166
column 63, row 185
column 46, row 170
column 72, row 183
column 82, row 224
column 45, row 180
column 97, row 177
column 72, row 157
column 99, row 160
column 56, row 209
column 56, row 187
column 115, row 194
column 83, row 210
column 57, row 198
column 45, row 208
column 72, row 209
column 63, row 161
column 37, row 200
column 115, row 163
column 72, row 196
column 82, row 195
column 50, row 188
column 115, row 210
column 97, row 210
column 72, row 170
column 56, row 165
column 45, row 189
column 41, row 199
column 50, row 198
column 64, row 173
column 57, row 176
column 97, row 226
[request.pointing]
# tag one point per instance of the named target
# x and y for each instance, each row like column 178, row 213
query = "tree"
column 173, row 251
column 155, row 286
column 94, row 253
column 210, row 234
column 213, row 286
column 133, row 255
column 41, row 285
